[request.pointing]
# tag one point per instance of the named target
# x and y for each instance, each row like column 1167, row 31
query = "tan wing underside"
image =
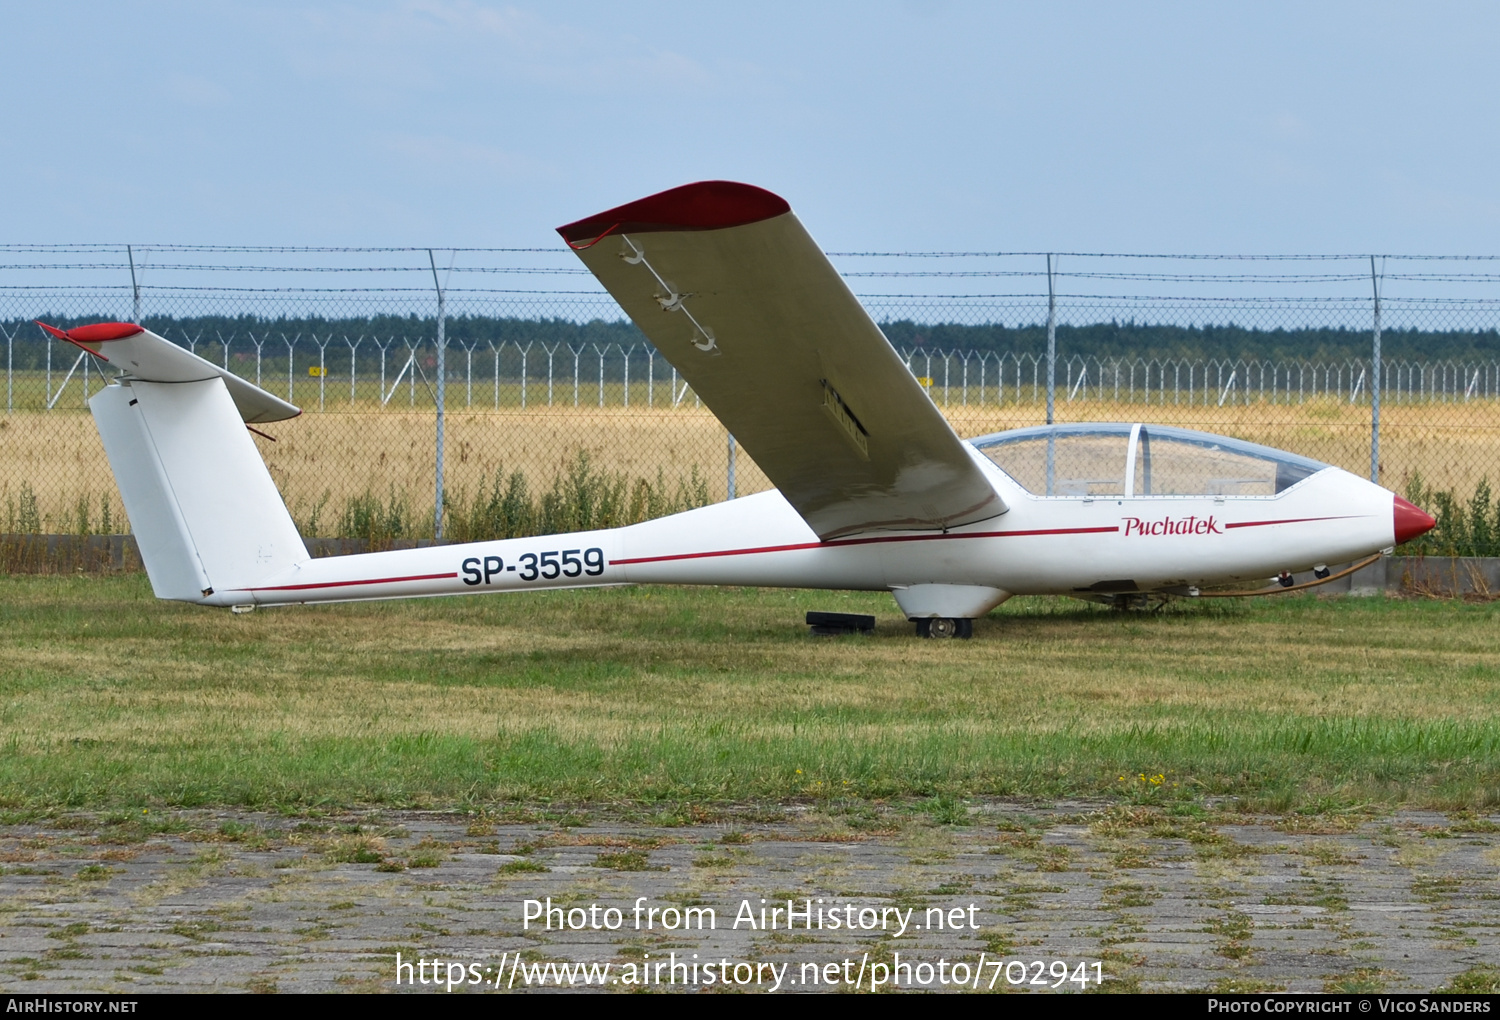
column 798, row 372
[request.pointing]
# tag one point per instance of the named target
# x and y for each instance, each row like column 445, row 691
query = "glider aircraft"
column 874, row 489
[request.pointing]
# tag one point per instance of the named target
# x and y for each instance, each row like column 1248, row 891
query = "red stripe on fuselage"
column 347, row 584
column 794, row 548
column 1294, row 520
column 859, row 541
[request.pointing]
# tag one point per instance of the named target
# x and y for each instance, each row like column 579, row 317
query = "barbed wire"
column 262, row 249
column 162, row 289
column 1255, row 278
column 560, row 271
column 192, row 267
column 121, row 247
column 1362, row 257
column 1340, row 301
column 138, row 264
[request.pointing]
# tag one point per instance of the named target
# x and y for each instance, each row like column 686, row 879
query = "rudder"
column 203, row 507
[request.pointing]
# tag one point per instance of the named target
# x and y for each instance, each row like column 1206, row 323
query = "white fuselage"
column 1041, row 545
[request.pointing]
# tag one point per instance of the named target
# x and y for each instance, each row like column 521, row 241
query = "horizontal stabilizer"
column 140, row 354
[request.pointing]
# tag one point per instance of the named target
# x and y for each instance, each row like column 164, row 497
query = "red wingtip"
column 706, row 205
column 1410, row 521
column 93, row 333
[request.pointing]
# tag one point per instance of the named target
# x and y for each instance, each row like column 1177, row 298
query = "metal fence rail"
column 324, row 371
column 537, row 383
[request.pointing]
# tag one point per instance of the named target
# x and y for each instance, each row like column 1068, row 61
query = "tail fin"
column 204, row 509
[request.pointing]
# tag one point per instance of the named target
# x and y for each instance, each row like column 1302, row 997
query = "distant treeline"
column 1103, row 339
column 1114, row 339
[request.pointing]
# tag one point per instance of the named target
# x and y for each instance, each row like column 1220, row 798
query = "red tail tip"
column 94, row 332
column 1410, row 521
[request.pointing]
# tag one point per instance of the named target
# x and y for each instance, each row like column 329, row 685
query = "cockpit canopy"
column 1140, row 460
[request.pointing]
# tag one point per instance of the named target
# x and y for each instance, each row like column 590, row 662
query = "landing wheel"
column 945, row 627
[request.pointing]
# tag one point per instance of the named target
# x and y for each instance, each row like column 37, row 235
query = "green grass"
column 110, row 699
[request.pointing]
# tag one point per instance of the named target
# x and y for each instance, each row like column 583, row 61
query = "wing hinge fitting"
column 669, row 298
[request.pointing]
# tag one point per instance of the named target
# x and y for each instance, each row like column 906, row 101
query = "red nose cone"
column 1410, row 522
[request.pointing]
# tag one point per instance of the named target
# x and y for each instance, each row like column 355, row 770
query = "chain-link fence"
column 558, row 413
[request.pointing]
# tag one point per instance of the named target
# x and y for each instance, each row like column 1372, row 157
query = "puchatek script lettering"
column 1189, row 525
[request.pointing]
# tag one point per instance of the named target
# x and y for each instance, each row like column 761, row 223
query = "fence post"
column 10, row 343
column 258, row 344
column 1051, row 361
column 291, row 353
column 322, row 367
column 135, row 289
column 730, row 486
column 496, row 351
column 1375, row 382
column 1051, row 377
column 442, row 381
column 352, row 348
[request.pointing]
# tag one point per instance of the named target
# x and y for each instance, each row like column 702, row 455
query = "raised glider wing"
column 875, row 491
column 728, row 285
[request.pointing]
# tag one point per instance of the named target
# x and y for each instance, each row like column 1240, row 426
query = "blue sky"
column 1268, row 127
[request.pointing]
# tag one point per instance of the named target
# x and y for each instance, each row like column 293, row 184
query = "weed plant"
column 1465, row 527
column 581, row 497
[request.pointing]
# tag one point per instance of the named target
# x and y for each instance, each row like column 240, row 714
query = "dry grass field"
column 347, row 454
column 382, row 451
column 111, row 698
